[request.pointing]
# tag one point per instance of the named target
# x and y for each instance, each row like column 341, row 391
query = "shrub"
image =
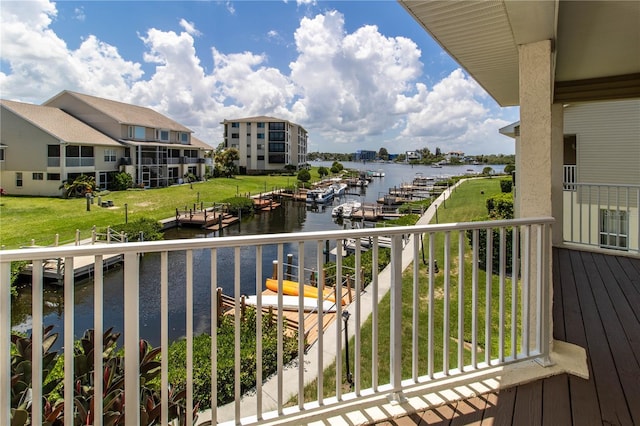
column 237, row 204
column 500, row 206
column 509, row 168
column 506, row 185
column 202, row 357
column 322, row 171
column 150, row 229
column 304, row 175
column 122, row 181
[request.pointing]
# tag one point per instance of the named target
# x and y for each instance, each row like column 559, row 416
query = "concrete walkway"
column 248, row 407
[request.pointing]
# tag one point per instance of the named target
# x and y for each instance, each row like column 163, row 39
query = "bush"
column 202, row 358
column 304, row 175
column 500, row 206
column 506, row 185
column 151, row 230
column 509, row 168
column 237, row 204
column 122, row 181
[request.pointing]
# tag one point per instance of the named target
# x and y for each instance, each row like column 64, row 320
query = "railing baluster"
column 357, row 323
column 416, row 311
column 300, row 327
column 526, row 277
column 69, row 284
column 515, row 265
column 320, row 296
column 280, row 328
column 131, row 335
column 474, row 301
column 374, row 316
column 236, row 328
column 339, row 329
column 36, row 332
column 430, row 339
column 214, row 334
column 164, row 336
column 501, row 329
column 259, row 320
column 98, row 309
column 540, row 303
column 5, row 342
column 445, row 331
column 396, row 320
column 189, row 333
column 487, row 295
column 461, row 249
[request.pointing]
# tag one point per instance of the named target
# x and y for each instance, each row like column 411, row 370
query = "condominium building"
column 266, row 143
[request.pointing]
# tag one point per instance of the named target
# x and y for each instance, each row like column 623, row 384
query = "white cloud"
column 358, row 90
column 80, row 16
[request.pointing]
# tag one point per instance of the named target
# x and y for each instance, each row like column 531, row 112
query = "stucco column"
column 540, row 126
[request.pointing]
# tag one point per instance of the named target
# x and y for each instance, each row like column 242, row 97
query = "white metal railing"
column 510, row 311
column 570, row 177
column 602, row 215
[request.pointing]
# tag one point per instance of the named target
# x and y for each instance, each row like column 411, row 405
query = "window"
column 18, row 179
column 110, row 155
column 248, row 145
column 53, row 176
column 236, row 125
column 277, row 158
column 37, row 176
column 53, row 155
column 79, row 156
column 260, row 146
column 260, row 135
column 1, row 153
column 277, row 147
column 184, row 137
column 614, row 229
column 162, row 135
column 276, row 136
column 260, row 157
column 276, row 126
column 136, row 132
column 260, row 125
column 235, row 135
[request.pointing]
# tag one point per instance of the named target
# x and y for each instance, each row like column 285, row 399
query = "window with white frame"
column 184, row 137
column 614, row 229
column 137, row 132
column 18, row 179
column 37, row 176
column 1, row 153
column 109, row 155
column 162, row 135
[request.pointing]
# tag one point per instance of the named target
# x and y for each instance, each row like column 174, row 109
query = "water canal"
column 293, row 216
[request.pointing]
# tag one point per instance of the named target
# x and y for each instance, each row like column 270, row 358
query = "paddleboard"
column 291, row 288
column 291, row 303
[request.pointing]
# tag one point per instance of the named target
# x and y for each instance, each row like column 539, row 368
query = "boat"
column 339, row 188
column 346, row 210
column 320, row 196
column 437, row 165
column 292, row 288
column 290, row 303
column 375, row 173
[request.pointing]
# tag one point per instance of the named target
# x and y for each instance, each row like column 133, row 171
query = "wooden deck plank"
column 629, row 283
column 489, row 415
column 557, row 308
column 505, row 407
column 469, row 411
column 556, row 406
column 610, row 393
column 528, row 406
column 620, row 327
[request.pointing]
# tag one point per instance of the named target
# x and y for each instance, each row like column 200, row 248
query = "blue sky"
column 355, row 74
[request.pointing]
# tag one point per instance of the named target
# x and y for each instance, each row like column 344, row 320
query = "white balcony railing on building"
column 476, row 321
column 602, row 215
column 570, row 177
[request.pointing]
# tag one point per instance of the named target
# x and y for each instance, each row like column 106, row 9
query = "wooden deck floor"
column 597, row 306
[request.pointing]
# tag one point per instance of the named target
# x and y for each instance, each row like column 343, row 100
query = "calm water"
column 292, row 217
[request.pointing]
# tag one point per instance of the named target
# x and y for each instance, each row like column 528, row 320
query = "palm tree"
column 82, row 185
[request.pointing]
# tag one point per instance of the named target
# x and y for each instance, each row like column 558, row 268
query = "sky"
column 357, row 75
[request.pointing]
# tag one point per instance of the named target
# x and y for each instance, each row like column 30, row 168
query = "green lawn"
column 467, row 203
column 40, row 218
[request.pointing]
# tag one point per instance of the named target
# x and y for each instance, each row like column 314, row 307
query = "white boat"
column 320, row 196
column 291, row 303
column 346, row 210
column 339, row 188
column 376, row 173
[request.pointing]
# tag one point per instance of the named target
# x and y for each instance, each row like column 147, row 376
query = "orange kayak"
column 291, row 288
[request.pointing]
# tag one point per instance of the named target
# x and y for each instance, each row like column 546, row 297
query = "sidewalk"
column 248, row 405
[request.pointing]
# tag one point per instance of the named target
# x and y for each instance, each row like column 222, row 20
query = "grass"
column 466, row 204
column 41, row 218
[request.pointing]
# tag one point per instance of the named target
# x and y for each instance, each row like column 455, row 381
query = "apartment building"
column 266, row 143
column 74, row 134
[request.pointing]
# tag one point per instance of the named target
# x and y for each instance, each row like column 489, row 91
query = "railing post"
column 131, row 339
column 396, row 396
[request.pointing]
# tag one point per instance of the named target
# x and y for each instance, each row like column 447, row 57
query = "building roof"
column 260, row 118
column 596, row 43
column 126, row 113
column 198, row 143
column 59, row 124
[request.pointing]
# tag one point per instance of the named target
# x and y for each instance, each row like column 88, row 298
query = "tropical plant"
column 142, row 229
column 304, row 176
column 226, row 160
column 80, row 186
column 122, row 181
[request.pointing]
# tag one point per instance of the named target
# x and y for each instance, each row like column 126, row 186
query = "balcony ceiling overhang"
column 596, row 43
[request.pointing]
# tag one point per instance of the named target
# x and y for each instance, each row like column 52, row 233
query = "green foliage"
column 509, row 168
column 506, row 185
column 487, row 171
column 304, row 175
column 406, row 220
column 151, row 229
column 237, row 204
column 16, row 267
column 290, row 169
column 82, row 185
column 414, row 206
column 322, row 171
column 226, row 357
column 500, row 206
column 122, row 181
column 226, row 161
column 366, row 262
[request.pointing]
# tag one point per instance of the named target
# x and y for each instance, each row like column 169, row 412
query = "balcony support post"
column 5, row 342
column 544, row 286
column 396, row 396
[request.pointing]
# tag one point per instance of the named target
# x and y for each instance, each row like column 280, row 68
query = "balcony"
column 515, row 319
